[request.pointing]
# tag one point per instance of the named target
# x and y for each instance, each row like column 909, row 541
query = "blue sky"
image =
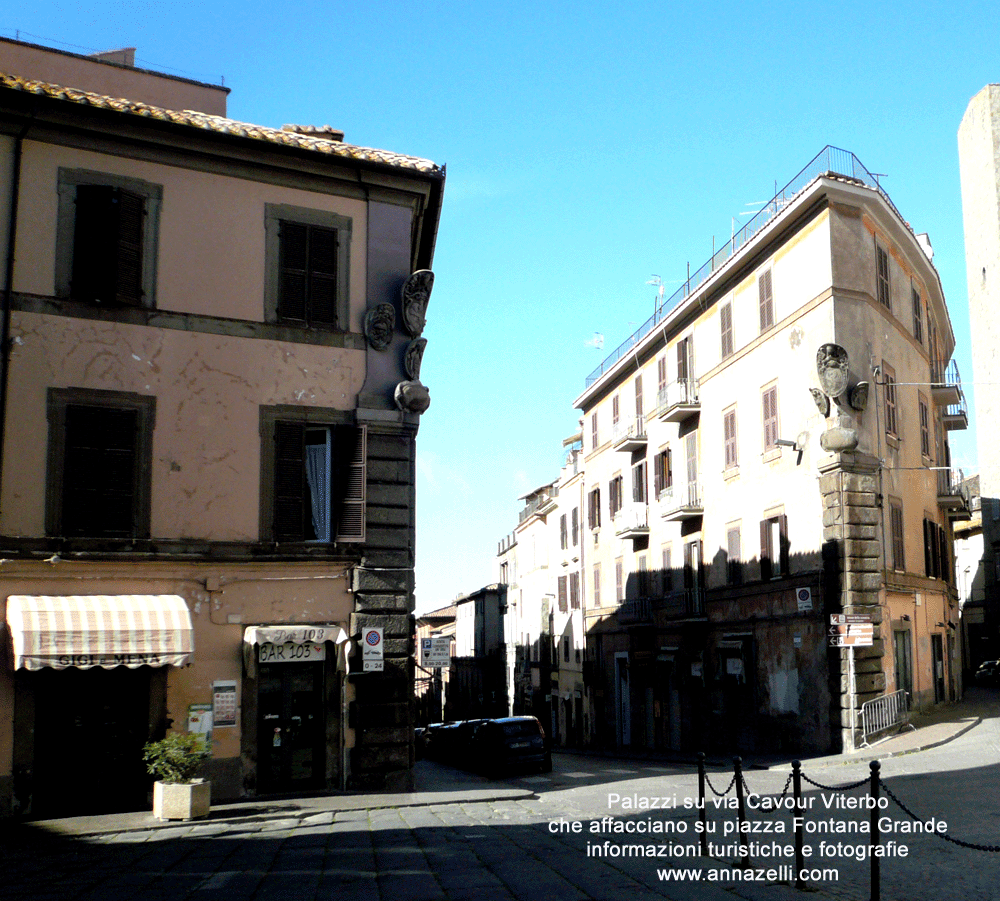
column 588, row 148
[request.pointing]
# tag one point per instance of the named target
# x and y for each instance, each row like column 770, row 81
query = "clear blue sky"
column 589, row 146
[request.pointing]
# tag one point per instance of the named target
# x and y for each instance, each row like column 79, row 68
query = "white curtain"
column 318, row 479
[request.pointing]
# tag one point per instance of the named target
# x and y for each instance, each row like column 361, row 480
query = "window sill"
column 732, row 473
column 771, row 454
column 892, row 440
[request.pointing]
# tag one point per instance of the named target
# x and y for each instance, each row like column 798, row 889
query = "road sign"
column 846, row 635
column 371, row 649
column 435, row 651
column 842, row 619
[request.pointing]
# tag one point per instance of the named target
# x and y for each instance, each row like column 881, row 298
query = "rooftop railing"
column 829, row 161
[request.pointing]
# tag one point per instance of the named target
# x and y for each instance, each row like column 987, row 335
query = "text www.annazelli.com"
column 750, row 874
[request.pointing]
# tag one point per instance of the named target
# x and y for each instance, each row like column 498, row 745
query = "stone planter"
column 181, row 800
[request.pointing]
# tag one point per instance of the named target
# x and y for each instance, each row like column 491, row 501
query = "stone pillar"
column 382, row 714
column 852, row 572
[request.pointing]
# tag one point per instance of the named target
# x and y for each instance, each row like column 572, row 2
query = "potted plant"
column 178, row 795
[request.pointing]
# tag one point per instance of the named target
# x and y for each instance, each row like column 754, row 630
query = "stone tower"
column 979, row 161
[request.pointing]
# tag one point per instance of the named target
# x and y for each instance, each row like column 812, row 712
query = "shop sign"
column 110, row 659
column 290, row 652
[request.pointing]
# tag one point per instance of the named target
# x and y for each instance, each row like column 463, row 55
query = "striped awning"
column 85, row 631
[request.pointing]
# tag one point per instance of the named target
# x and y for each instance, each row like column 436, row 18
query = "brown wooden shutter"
column 293, row 266
column 783, row 551
column 766, row 299
column 352, row 453
column 95, row 240
column 562, row 594
column 765, row 550
column 322, row 276
column 99, row 472
column 290, row 493
column 128, row 282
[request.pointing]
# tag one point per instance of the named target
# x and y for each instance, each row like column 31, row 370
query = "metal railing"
column 678, row 495
column 949, row 483
column 884, row 713
column 829, row 161
column 683, row 391
column 536, row 503
column 631, row 518
column 632, row 428
column 682, row 602
column 635, row 610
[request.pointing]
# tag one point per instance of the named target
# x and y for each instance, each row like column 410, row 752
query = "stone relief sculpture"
column 834, row 371
column 380, row 322
column 414, row 357
column 416, row 295
column 412, row 397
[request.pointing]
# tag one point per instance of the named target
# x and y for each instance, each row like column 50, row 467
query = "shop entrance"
column 90, row 726
column 291, row 727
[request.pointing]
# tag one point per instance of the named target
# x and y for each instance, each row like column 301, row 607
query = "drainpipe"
column 9, row 287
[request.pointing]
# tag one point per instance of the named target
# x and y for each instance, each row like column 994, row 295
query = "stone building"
column 209, row 397
column 979, row 163
column 770, row 448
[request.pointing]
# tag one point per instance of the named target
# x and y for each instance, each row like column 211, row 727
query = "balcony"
column 629, row 436
column 681, row 502
column 678, row 400
column 683, row 603
column 541, row 504
column 635, row 611
column 632, row 521
column 946, row 388
column 953, row 494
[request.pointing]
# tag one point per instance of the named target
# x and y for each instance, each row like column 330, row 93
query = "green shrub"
column 177, row 757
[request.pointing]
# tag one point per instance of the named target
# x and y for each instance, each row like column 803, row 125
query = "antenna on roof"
column 658, row 282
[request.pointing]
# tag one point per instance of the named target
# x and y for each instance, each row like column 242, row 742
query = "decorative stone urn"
column 181, row 800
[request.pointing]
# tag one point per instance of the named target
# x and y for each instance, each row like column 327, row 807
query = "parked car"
column 511, row 743
column 988, row 673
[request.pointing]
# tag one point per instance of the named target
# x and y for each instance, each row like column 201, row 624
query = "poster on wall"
column 224, row 703
column 200, row 721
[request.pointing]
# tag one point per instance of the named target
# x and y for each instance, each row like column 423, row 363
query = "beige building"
column 209, row 397
column 735, row 500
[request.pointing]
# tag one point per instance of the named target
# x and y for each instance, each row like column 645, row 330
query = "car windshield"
column 522, row 727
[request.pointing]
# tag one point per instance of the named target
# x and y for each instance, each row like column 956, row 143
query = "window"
column 597, row 585
column 734, row 551
column 662, row 472
column 685, row 360
column 562, row 581
column 614, row 412
column 891, row 427
column 726, row 322
column 594, row 508
column 99, row 463
column 575, row 523
column 729, row 438
column 925, row 426
column 668, row 573
column 661, row 375
column 896, row 530
column 882, row 276
column 774, row 547
column 918, row 318
column 615, row 495
column 565, row 644
column 638, row 403
column 593, row 430
column 312, row 476
column 574, row 591
column 639, row 482
column 693, row 576
column 642, row 573
column 769, row 415
column 106, row 238
column 766, row 300
column 619, row 580
column 937, row 560
column 307, row 262
column 563, row 533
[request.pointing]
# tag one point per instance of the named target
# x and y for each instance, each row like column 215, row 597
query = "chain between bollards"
column 799, row 837
column 740, row 804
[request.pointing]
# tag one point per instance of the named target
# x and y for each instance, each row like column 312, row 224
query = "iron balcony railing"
column 536, row 503
column 683, row 494
column 951, row 483
column 681, row 392
column 632, row 428
column 829, row 161
column 946, row 376
column 636, row 610
column 682, row 603
column 632, row 518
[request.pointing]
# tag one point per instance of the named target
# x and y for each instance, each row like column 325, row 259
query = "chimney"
column 123, row 57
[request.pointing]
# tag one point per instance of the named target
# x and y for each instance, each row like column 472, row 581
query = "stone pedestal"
column 852, row 567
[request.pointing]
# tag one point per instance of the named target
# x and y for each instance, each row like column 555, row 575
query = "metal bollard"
column 701, row 804
column 740, row 804
column 799, row 838
column 876, row 839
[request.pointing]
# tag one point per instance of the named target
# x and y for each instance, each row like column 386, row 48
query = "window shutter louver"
column 289, row 482
column 129, row 248
column 783, row 552
column 293, row 267
column 562, row 594
column 322, row 276
column 351, row 521
column 95, row 240
column 766, row 300
column 765, row 550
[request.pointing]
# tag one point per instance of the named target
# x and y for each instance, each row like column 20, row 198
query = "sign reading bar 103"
column 371, row 649
column 851, row 630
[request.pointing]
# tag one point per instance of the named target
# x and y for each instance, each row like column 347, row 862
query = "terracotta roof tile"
column 220, row 125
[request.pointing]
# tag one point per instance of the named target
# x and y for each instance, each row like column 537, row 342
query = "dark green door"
column 291, row 727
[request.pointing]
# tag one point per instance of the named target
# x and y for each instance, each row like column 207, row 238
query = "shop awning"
column 294, row 634
column 311, row 638
column 85, row 631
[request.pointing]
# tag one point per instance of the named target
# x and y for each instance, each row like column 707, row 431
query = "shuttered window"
column 769, row 416
column 639, row 482
column 765, row 300
column 307, row 286
column 594, row 508
column 729, row 438
column 107, row 246
column 662, row 474
column 726, row 322
column 774, row 547
column 891, row 424
column 318, row 482
column 896, row 529
column 562, row 594
column 615, row 495
column 882, row 276
column 99, row 464
column 734, row 552
column 574, row 591
column 918, row 316
column 638, row 403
